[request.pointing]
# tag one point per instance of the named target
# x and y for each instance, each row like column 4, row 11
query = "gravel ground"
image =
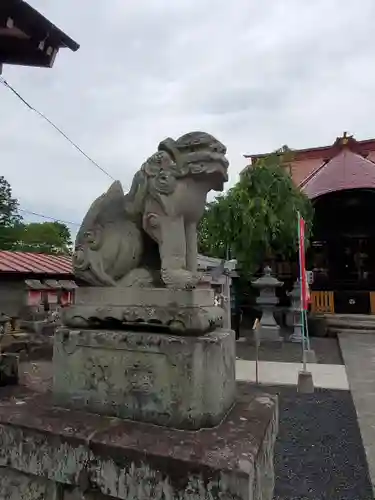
column 327, row 351
column 319, row 453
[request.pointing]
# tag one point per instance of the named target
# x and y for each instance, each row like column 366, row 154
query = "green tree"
column 45, row 237
column 10, row 220
column 257, row 218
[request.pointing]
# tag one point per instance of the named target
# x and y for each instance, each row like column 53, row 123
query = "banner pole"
column 301, row 293
column 257, row 342
column 307, row 332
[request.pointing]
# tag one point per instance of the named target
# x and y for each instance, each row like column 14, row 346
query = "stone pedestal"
column 182, row 382
column 52, row 453
column 183, row 312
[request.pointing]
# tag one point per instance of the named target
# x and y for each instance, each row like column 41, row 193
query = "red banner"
column 305, row 294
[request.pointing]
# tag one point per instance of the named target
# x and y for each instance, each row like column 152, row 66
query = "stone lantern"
column 267, row 301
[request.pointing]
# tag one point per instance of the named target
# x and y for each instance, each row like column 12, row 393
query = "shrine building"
column 340, row 181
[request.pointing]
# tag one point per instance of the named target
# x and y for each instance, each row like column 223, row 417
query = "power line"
column 7, row 85
column 47, row 217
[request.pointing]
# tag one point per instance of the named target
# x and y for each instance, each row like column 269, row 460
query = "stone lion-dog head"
column 196, row 155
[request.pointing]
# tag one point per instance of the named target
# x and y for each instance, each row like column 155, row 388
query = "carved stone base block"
column 185, row 312
column 182, row 382
column 8, row 369
column 57, row 454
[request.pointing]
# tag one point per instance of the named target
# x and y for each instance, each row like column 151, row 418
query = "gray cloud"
column 256, row 74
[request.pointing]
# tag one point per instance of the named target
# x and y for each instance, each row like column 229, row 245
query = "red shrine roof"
column 27, row 262
column 39, row 263
column 347, row 170
column 347, row 164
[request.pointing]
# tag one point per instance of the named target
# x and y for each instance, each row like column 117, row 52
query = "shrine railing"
column 322, row 302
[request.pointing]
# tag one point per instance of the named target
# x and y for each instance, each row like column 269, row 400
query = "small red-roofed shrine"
column 340, row 181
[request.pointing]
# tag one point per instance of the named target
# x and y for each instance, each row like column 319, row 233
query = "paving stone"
column 359, row 356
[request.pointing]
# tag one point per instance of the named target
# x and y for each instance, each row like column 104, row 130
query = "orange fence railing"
column 372, row 302
column 322, row 302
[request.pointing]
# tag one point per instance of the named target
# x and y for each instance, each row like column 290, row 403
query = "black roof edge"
column 26, row 12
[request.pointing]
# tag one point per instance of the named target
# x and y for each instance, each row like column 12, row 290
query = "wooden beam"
column 13, row 33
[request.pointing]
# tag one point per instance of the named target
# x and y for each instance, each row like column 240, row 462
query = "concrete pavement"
column 358, row 351
column 278, row 373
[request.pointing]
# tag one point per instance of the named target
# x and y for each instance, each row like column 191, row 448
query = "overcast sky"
column 257, row 74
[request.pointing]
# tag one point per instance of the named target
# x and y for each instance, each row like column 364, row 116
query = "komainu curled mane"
column 149, row 236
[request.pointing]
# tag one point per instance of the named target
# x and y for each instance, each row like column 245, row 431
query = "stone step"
column 349, row 317
column 349, row 325
column 360, row 331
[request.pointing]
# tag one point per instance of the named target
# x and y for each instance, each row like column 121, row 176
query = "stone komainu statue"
column 149, row 236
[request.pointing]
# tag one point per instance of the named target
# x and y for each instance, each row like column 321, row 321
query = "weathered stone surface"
column 8, row 369
column 40, row 327
column 149, row 236
column 153, row 297
column 184, row 312
column 100, row 456
column 17, row 486
column 182, row 382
